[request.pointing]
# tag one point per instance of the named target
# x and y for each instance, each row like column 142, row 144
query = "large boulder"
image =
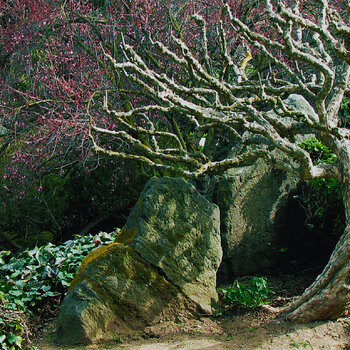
column 162, row 267
column 116, row 292
column 253, row 202
column 176, row 229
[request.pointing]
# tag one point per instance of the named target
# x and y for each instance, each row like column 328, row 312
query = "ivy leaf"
column 4, row 253
column 15, row 292
column 15, row 339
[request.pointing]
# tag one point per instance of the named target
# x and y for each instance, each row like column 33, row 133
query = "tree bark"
column 329, row 296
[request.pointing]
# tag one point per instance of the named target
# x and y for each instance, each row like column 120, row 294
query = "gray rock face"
column 176, row 229
column 299, row 103
column 252, row 202
column 116, row 292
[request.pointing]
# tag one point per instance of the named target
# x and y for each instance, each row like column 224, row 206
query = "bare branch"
column 304, row 57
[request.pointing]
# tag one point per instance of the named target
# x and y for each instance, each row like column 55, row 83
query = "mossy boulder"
column 117, row 292
column 256, row 206
column 255, row 209
column 176, row 229
column 162, row 267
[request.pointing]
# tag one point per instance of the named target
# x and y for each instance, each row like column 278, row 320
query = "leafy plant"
column 322, row 196
column 13, row 327
column 35, row 276
column 319, row 153
column 249, row 296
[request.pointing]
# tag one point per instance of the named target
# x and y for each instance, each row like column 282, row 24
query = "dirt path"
column 248, row 331
column 237, row 330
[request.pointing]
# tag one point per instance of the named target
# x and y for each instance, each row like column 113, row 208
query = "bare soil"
column 236, row 329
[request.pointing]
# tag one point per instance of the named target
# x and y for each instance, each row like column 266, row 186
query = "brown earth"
column 254, row 330
column 236, row 329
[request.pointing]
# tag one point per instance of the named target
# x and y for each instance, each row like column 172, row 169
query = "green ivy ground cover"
column 33, row 277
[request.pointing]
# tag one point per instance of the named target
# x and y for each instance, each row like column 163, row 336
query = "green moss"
column 96, row 253
column 123, row 258
column 132, row 266
column 126, row 236
column 126, row 262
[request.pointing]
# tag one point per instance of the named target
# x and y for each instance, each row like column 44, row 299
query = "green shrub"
column 34, row 277
column 249, row 296
column 13, row 327
column 321, row 154
column 322, row 198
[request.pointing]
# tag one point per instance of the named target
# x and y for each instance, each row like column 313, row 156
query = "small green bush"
column 32, row 278
column 321, row 154
column 43, row 272
column 322, row 198
column 13, row 327
column 249, row 296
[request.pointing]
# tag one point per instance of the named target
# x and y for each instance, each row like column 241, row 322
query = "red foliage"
column 52, row 63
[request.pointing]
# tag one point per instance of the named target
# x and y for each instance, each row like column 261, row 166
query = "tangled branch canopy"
column 198, row 93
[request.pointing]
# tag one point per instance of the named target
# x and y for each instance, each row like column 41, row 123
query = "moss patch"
column 126, row 236
column 96, row 253
column 117, row 291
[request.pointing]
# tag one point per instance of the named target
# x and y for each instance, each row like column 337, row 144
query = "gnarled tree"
column 306, row 51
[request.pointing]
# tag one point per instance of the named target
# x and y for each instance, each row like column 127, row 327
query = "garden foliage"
column 35, row 277
column 250, row 295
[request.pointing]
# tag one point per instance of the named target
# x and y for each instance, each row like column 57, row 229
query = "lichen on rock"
column 178, row 230
column 117, row 292
column 162, row 266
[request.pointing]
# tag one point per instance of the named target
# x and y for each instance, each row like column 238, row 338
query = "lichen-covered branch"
column 205, row 93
